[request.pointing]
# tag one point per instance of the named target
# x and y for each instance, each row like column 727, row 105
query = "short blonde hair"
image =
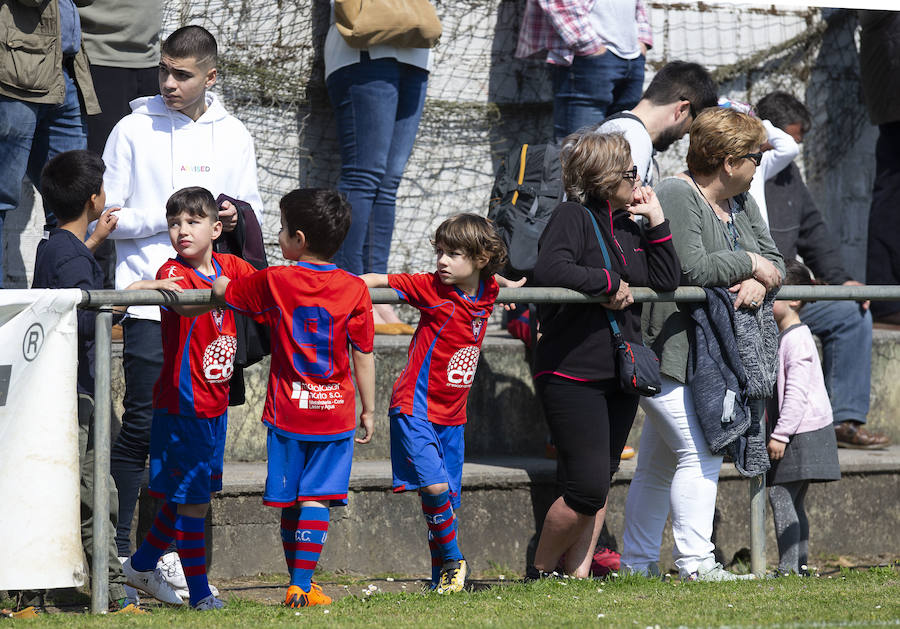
column 718, row 133
column 593, row 164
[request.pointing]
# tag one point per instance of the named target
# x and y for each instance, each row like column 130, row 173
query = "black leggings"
column 589, row 423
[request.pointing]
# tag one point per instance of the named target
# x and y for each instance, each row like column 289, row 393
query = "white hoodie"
column 784, row 150
column 155, row 151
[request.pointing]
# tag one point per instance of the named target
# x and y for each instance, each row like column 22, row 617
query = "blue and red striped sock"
column 157, row 541
column 303, row 534
column 437, row 561
column 190, row 541
column 442, row 524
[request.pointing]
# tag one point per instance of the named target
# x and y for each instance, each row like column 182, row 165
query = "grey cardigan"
column 707, row 259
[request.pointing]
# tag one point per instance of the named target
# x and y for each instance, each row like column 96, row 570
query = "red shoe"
column 604, row 562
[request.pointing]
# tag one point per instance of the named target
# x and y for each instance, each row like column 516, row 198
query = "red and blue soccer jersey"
column 315, row 312
column 198, row 352
column 443, row 354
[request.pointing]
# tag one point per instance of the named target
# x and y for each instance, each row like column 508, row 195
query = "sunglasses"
column 691, row 105
column 756, row 157
column 631, row 174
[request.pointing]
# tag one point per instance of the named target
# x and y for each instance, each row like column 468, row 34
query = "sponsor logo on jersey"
column 173, row 271
column 218, row 359
column 317, row 397
column 461, row 368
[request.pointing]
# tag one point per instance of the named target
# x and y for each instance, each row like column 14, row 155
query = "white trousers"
column 677, row 471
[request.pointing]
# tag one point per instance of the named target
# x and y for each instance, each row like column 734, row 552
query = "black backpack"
column 527, row 189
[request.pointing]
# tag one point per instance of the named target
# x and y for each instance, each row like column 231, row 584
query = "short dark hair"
column 68, row 182
column 476, row 237
column 682, row 80
column 192, row 42
column 193, row 201
column 797, row 274
column 322, row 214
column 783, row 109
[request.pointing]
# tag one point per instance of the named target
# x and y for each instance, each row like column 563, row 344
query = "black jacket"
column 797, row 226
column 576, row 339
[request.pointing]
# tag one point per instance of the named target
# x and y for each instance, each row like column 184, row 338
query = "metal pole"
column 102, row 397
column 758, row 525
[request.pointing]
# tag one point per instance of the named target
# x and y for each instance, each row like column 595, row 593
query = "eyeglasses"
column 691, row 105
column 756, row 157
column 631, row 174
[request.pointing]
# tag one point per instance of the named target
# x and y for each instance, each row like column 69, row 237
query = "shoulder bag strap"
column 612, row 319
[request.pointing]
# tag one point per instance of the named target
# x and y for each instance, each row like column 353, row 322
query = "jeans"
column 592, row 88
column 845, row 331
column 142, row 360
column 378, row 104
column 883, row 252
column 675, row 469
column 31, row 134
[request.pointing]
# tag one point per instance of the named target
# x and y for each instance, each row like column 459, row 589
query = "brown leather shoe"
column 851, row 434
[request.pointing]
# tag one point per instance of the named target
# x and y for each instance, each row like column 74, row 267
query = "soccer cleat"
column 151, row 582
column 131, row 595
column 210, row 603
column 173, row 572
column 297, row 597
column 453, row 577
column 716, row 573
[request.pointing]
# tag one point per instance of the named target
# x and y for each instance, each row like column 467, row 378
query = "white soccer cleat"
column 151, row 582
column 173, row 572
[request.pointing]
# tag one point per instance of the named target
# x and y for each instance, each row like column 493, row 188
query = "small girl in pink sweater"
column 802, row 444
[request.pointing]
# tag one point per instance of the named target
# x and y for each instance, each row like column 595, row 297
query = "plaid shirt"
column 563, row 29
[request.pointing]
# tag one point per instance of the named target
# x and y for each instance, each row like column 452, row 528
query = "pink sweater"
column 802, row 399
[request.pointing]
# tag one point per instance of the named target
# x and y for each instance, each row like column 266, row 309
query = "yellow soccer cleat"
column 453, row 577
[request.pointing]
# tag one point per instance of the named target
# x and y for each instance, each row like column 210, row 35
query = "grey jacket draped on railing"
column 732, row 366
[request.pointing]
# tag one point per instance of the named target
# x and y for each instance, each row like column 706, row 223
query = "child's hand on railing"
column 503, row 282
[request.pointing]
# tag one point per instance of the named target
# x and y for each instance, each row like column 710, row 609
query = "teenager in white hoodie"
column 181, row 137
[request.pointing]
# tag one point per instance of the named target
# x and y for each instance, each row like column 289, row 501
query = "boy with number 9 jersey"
column 319, row 315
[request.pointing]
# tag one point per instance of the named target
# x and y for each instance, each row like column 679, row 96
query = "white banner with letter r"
column 39, row 473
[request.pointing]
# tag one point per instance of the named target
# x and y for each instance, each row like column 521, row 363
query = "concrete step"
column 505, row 499
column 505, row 416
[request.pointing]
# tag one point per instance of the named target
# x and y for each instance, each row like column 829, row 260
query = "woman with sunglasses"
column 575, row 363
column 721, row 240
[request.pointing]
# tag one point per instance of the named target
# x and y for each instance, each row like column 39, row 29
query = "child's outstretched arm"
column 375, row 280
column 171, row 283
column 364, row 373
column 503, row 282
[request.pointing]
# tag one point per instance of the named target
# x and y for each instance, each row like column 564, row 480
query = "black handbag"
column 637, row 366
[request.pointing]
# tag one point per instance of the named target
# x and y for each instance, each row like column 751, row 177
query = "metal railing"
column 104, row 300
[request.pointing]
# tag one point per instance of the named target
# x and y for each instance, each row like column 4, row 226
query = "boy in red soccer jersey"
column 190, row 403
column 428, row 405
column 319, row 316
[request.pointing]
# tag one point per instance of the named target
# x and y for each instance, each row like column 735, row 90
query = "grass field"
column 869, row 598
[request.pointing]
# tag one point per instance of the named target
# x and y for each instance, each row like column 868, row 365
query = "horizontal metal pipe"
column 525, row 294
